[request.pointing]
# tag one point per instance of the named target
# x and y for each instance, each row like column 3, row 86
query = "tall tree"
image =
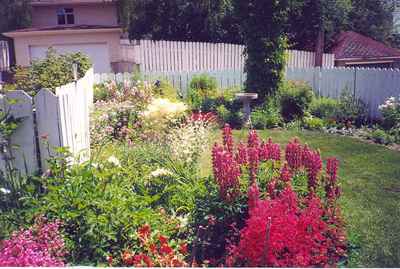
column 372, row 18
column 14, row 14
column 263, row 31
column 203, row 20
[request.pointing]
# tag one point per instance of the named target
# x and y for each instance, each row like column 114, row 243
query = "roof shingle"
column 354, row 45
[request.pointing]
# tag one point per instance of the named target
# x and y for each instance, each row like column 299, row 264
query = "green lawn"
column 370, row 176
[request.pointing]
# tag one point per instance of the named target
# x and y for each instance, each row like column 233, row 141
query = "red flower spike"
column 253, row 140
column 254, row 195
column 227, row 138
column 286, row 175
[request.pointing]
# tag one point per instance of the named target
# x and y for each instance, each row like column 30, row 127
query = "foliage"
column 262, row 25
column 258, row 165
column 51, row 72
column 152, row 249
column 391, row 113
column 313, row 123
column 295, row 99
column 164, row 89
column 351, row 109
column 379, row 136
column 266, row 116
column 14, row 14
column 324, row 107
column 40, row 245
column 201, row 87
column 207, row 21
column 98, row 206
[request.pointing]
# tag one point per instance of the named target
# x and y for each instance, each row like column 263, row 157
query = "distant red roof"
column 353, row 45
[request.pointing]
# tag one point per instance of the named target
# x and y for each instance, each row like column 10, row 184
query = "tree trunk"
column 319, row 48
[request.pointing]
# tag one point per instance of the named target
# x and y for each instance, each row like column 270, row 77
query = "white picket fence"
column 373, row 86
column 199, row 56
column 4, row 56
column 48, row 121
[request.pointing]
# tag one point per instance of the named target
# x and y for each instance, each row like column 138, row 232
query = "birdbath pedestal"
column 246, row 99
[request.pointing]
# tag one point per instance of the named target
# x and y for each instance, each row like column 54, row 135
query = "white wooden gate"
column 61, row 120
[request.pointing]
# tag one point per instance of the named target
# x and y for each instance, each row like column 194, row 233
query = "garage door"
column 97, row 52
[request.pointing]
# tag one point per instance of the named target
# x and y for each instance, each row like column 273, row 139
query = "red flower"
column 162, row 239
column 241, row 155
column 286, row 175
column 183, row 249
column 109, row 260
column 253, row 195
column 144, row 231
column 166, row 249
column 227, row 138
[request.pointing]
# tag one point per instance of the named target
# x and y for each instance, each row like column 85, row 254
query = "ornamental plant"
column 283, row 228
column 152, row 249
column 391, row 112
column 40, row 245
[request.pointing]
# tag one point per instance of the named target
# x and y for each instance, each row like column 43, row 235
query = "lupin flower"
column 226, row 172
column 253, row 140
column 227, row 138
column 253, row 162
column 313, row 164
column 285, row 175
column 241, row 154
column 331, row 189
column 253, row 195
column 294, row 154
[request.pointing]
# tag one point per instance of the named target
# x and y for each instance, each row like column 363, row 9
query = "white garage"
column 97, row 52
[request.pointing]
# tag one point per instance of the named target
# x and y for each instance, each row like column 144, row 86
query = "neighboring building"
column 88, row 26
column 353, row 49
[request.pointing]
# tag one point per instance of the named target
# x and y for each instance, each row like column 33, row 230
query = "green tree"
column 14, row 14
column 263, row 31
column 203, row 20
column 372, row 18
column 308, row 17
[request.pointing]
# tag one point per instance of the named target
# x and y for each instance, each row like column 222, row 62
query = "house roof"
column 64, row 28
column 352, row 45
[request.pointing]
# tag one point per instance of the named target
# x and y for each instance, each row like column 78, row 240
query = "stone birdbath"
column 246, row 98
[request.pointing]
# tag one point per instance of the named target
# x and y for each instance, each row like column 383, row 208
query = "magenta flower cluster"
column 40, row 245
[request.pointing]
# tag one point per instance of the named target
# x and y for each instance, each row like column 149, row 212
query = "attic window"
column 65, row 16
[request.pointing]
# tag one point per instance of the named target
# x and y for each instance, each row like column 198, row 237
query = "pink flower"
column 227, row 138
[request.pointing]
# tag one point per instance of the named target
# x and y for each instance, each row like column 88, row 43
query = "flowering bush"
column 153, row 249
column 40, row 245
column 188, row 140
column 283, row 228
column 391, row 113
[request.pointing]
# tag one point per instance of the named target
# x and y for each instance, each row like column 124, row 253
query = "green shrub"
column 51, row 72
column 352, row 109
column 201, row 87
column 324, row 108
column 100, row 93
column 313, row 123
column 379, row 136
column 164, row 89
column 295, row 99
column 267, row 116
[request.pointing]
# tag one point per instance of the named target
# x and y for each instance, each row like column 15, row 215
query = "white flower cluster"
column 390, row 103
column 188, row 141
column 161, row 172
column 161, row 108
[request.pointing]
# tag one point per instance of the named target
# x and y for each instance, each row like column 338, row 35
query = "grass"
column 370, row 178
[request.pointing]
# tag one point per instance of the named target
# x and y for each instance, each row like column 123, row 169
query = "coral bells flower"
column 227, row 138
column 226, row 172
column 241, row 155
column 294, row 154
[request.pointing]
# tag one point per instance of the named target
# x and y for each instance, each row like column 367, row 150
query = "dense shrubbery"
column 51, row 72
column 295, row 99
